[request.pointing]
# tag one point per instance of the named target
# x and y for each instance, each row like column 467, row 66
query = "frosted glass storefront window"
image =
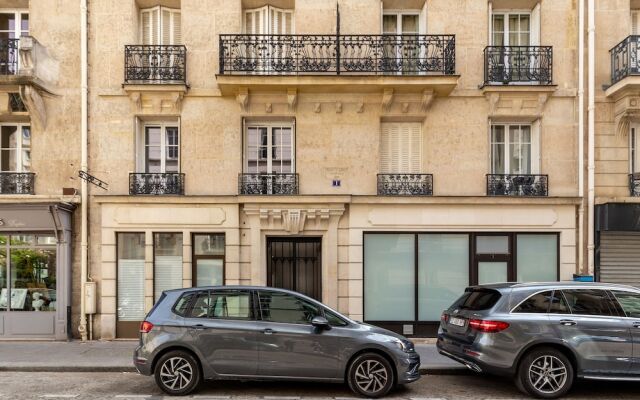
column 492, row 272
column 167, row 264
column 131, row 276
column 389, row 283
column 443, row 272
column 537, row 258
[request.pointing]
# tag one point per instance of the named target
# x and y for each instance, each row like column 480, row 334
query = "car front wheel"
column 370, row 375
column 545, row 373
column 177, row 373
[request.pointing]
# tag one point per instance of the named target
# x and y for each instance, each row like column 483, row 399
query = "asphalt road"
column 112, row 385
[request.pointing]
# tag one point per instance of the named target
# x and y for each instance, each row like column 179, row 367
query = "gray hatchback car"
column 546, row 334
column 240, row 332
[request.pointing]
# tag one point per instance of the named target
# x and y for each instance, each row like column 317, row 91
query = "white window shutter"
column 415, row 133
column 257, row 21
column 535, row 147
column 166, row 27
column 635, row 19
column 535, row 26
column 150, row 26
column 385, row 150
column 422, row 23
column 400, row 148
column 176, row 22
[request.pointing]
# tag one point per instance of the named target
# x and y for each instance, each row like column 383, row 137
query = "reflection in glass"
column 33, row 279
column 209, row 272
column 537, row 258
column 492, row 244
column 3, row 278
column 206, row 244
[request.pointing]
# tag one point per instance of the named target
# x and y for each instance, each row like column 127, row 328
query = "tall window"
column 15, row 148
column 160, row 148
column 401, row 23
column 634, row 149
column 208, row 259
column 514, row 149
column 167, row 262
column 511, row 29
column 160, row 26
column 400, row 148
column 635, row 22
column 131, row 277
column 269, row 148
column 268, row 20
column 14, row 24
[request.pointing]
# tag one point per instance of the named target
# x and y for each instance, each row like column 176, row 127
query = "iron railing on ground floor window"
column 17, row 183
column 156, row 183
column 634, row 184
column 517, row 185
column 405, row 184
column 268, row 184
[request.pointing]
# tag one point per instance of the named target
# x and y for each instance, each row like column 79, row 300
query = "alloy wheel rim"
column 548, row 374
column 371, row 376
column 176, row 373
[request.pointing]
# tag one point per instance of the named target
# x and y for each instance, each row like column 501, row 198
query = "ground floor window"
column 167, row 263
column 208, row 259
column 131, row 276
column 415, row 276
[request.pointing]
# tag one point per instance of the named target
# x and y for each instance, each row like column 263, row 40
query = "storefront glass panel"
column 167, row 263
column 537, row 258
column 389, row 284
column 492, row 272
column 208, row 259
column 131, row 276
column 443, row 272
column 4, row 278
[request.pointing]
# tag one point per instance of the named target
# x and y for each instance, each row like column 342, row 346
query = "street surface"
column 127, row 385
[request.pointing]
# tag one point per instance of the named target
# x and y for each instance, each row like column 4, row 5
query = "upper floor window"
column 15, row 148
column 634, row 149
column 635, row 22
column 14, row 24
column 401, row 148
column 159, row 148
column 160, row 26
column 514, row 148
column 516, row 28
column 401, row 23
column 269, row 148
column 268, row 20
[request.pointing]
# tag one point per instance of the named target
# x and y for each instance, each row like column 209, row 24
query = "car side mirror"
column 320, row 322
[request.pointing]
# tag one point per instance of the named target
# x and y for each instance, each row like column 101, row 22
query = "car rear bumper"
column 464, row 354
column 142, row 363
column 408, row 369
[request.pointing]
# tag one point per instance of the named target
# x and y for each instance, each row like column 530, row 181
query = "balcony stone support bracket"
column 427, row 98
column 156, row 99
column 522, row 102
column 387, row 99
column 292, row 99
column 243, row 99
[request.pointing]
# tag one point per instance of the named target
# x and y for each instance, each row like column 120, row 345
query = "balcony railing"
column 634, row 184
column 624, row 58
column 405, row 184
column 9, row 56
column 273, row 184
column 517, row 185
column 156, row 184
column 518, row 65
column 17, row 182
column 155, row 64
column 335, row 55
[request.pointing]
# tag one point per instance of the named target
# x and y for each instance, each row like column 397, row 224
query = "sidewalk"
column 117, row 356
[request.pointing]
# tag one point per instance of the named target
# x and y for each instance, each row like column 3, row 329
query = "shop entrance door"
column 295, row 264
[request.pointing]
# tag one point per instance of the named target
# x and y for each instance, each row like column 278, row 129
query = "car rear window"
column 182, row 305
column 536, row 304
column 478, row 299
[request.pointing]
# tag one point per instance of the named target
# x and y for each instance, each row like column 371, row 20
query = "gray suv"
column 546, row 334
column 240, row 332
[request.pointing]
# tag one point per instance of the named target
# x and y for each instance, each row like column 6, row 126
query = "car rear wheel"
column 370, row 375
column 545, row 373
column 177, row 373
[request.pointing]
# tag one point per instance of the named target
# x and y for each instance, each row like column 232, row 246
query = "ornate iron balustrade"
column 9, row 56
column 277, row 184
column 156, row 184
column 624, row 58
column 337, row 54
column 155, row 64
column 17, row 182
column 517, row 185
column 518, row 64
column 405, row 184
column 634, row 184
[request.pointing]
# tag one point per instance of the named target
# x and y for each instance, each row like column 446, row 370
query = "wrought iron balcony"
column 155, row 64
column 518, row 65
column 156, row 184
column 405, row 184
column 634, row 184
column 272, row 184
column 517, row 185
column 17, row 182
column 624, row 58
column 337, row 54
column 9, row 56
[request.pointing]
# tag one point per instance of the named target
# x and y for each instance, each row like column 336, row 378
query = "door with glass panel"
column 399, row 56
column 512, row 31
column 12, row 26
column 130, row 284
column 208, row 259
column 269, row 158
column 634, row 159
column 167, row 263
column 493, row 259
column 277, row 23
column 15, row 159
column 159, row 159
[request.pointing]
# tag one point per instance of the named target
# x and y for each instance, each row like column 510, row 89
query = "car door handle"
column 268, row 331
column 636, row 324
column 568, row 322
column 198, row 327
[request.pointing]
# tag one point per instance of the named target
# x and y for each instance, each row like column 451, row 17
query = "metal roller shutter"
column 620, row 258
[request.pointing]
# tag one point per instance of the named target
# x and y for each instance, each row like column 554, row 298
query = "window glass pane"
column 172, row 149
column 390, row 24
column 590, row 302
column 4, row 279
column 333, row 319
column 478, row 299
column 492, row 272
column 201, row 306
column 182, row 305
column 167, row 265
column 492, row 244
column 443, row 272
column 208, row 244
column 630, row 302
column 538, row 303
column 559, row 304
column 389, row 283
column 46, row 240
column 7, row 21
column 22, row 240
column 209, row 272
column 537, row 258
column 285, row 308
column 497, row 149
column 409, row 24
column 131, row 276
column 25, row 23
column 33, row 279
column 231, row 304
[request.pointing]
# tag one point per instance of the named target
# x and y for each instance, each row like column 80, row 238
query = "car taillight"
column 444, row 317
column 488, row 326
column 146, row 327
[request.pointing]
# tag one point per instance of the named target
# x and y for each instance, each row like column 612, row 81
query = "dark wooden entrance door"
column 295, row 264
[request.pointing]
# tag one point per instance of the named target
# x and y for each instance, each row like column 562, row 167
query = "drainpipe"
column 581, row 136
column 82, row 328
column 591, row 137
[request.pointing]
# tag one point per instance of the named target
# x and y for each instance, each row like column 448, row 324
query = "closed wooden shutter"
column 535, row 26
column 401, row 148
column 268, row 20
column 635, row 21
column 161, row 26
column 150, row 27
column 620, row 258
column 535, row 147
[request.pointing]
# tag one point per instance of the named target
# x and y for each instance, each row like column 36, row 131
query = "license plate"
column 456, row 321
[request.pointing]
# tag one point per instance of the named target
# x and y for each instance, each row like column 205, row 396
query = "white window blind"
column 515, row 148
column 130, row 290
column 635, row 21
column 268, row 20
column 161, row 26
column 400, row 148
column 168, row 274
column 535, row 25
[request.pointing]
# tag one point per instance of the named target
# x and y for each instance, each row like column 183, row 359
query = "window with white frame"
column 268, row 20
column 634, row 149
column 159, row 148
column 514, row 148
column 160, row 26
column 401, row 148
column 15, row 148
column 14, row 24
column 511, row 29
column 269, row 147
column 401, row 22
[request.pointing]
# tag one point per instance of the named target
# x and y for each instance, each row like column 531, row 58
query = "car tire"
column 370, row 375
column 177, row 373
column 545, row 373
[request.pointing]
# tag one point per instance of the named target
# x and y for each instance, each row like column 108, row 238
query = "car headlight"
column 404, row 345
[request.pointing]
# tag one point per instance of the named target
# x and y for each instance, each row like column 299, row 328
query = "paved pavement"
column 116, row 356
